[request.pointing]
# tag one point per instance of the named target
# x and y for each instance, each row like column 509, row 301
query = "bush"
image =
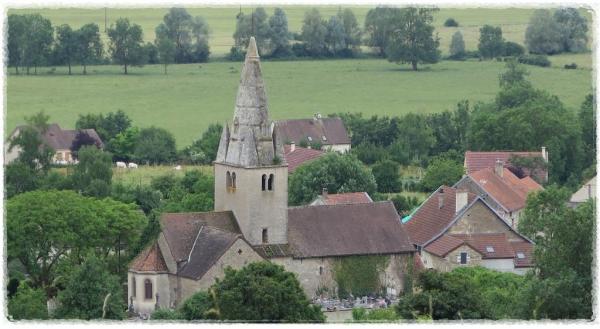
column 571, row 66
column 375, row 315
column 387, row 176
column 198, row 307
column 166, row 314
column 28, row 304
column 513, row 49
column 300, row 50
column 451, row 22
column 537, row 60
column 236, row 54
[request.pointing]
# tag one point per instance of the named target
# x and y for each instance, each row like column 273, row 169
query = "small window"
column 324, row 138
column 489, row 249
column 233, row 180
column 520, row 255
column 463, row 257
column 309, row 139
column 265, row 236
column 133, row 288
column 264, row 182
column 239, row 251
column 147, row 289
column 320, row 270
column 228, row 180
column 271, row 179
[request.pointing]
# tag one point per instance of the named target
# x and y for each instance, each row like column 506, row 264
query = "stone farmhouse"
column 475, row 161
column 56, row 138
column 586, row 192
column 329, row 132
column 454, row 228
column 252, row 220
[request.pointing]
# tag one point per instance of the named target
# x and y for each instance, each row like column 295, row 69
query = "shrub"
column 166, row 314
column 513, row 49
column 451, row 22
column 537, row 60
column 571, row 66
column 236, row 54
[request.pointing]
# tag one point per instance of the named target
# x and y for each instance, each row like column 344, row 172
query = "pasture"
column 144, row 174
column 192, row 96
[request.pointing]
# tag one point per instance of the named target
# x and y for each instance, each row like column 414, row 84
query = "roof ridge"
column 340, row 204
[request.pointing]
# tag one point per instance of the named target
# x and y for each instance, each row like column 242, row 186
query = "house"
column 341, row 198
column 502, row 189
column 329, row 132
column 252, row 221
column 61, row 141
column 586, row 192
column 454, row 228
column 476, row 161
column 296, row 156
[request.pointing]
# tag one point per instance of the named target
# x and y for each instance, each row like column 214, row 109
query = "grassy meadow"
column 192, row 96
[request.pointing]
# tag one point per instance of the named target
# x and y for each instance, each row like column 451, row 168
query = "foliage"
column 374, row 315
column 359, row 275
column 91, row 292
column 154, row 146
column 513, row 49
column 412, row 41
column 491, row 43
column 279, row 34
column 314, row 31
column 387, row 176
column 28, row 304
column 66, row 45
column 107, row 126
column 380, row 22
column 263, row 291
column 37, row 40
column 82, row 138
column 587, row 121
column 123, row 144
column 165, row 46
column 416, row 134
column 204, row 150
column 193, row 192
column 94, row 165
column 537, row 60
column 457, row 46
column 126, row 44
column 573, row 29
column 189, row 36
column 549, row 34
column 404, row 204
column 338, row 173
column 165, row 314
column 442, row 172
column 17, row 28
column 199, row 306
column 90, row 48
column 450, row 22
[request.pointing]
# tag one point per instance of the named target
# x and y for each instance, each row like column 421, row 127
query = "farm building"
column 328, row 132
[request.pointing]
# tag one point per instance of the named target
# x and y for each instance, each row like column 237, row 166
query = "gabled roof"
column 346, row 229
column 475, row 161
column 150, row 260
column 443, row 245
column 481, row 241
column 587, row 191
column 509, row 190
column 527, row 249
column 59, row 139
column 299, row 156
column 345, row 198
column 296, row 130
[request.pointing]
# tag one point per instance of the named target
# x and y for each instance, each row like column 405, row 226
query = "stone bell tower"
column 251, row 176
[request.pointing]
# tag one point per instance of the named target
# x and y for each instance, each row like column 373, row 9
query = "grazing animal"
column 132, row 165
column 121, row 164
column 178, row 167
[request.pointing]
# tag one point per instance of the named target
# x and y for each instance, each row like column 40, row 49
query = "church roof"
column 327, row 131
column 150, row 260
column 346, row 229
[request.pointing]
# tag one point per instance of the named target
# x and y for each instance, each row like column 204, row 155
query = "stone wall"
column 160, row 286
column 509, row 217
column 452, row 260
column 480, row 219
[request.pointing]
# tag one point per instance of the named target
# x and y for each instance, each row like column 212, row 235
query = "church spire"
column 251, row 102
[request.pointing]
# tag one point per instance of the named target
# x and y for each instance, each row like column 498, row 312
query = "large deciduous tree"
column 188, row 34
column 491, row 42
column 155, row 145
column 66, row 45
column 165, row 46
column 37, row 41
column 17, row 32
column 380, row 22
column 314, row 32
column 457, row 46
column 89, row 45
column 543, row 34
column 256, row 24
column 440, row 172
column 413, row 41
column 93, row 173
column 126, row 44
column 280, row 35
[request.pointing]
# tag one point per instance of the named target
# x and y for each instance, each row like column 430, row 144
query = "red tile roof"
column 299, row 156
column 475, row 161
column 527, row 249
column 346, row 198
column 327, row 131
column 497, row 241
column 430, row 220
column 508, row 190
column 443, row 245
column 150, row 260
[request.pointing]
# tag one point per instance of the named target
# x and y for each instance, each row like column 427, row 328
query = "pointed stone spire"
column 251, row 103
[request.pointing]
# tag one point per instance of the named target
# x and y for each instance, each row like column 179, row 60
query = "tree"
column 33, row 152
column 338, row 173
column 66, row 44
column 91, row 292
column 491, row 43
column 94, row 165
column 165, row 46
column 256, row 24
column 123, row 144
column 188, row 34
column 200, row 33
column 155, row 145
column 442, row 172
column 90, row 47
column 352, row 32
column 28, row 304
column 414, row 132
column 335, row 38
column 380, row 22
column 457, row 46
column 280, row 35
column 17, row 27
column 587, row 121
column 387, row 176
column 543, row 34
column 413, row 41
column 126, row 43
column 200, row 306
column 83, row 138
column 263, row 291
column 314, row 32
column 573, row 29
column 38, row 40
column 204, row 150
column 107, row 127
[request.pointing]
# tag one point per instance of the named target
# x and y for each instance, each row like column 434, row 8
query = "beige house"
column 252, row 220
column 329, row 132
column 454, row 228
column 586, row 192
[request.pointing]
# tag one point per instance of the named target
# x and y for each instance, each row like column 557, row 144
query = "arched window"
column 133, row 287
column 271, row 181
column 265, row 236
column 228, row 180
column 233, row 180
column 264, row 182
column 147, row 289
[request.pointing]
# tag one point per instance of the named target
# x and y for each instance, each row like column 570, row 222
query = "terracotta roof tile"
column 299, row 156
column 508, row 190
column 295, row 130
column 346, row 229
column 523, row 249
column 499, row 245
column 475, row 161
column 443, row 245
column 150, row 260
column 345, row 198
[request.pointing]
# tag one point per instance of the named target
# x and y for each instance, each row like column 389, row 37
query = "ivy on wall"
column 359, row 275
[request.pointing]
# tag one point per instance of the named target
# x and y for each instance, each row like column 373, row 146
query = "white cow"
column 132, row 165
column 121, row 164
column 178, row 167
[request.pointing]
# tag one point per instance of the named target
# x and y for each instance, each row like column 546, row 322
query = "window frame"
column 466, row 257
column 148, row 284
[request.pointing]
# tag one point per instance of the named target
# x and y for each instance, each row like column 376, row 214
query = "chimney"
column 499, row 168
column 461, row 199
column 441, row 198
column 544, row 154
column 292, row 147
column 324, row 193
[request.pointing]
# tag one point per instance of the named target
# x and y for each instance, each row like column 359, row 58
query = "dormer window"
column 489, row 249
column 324, row 138
column 520, row 255
column 309, row 139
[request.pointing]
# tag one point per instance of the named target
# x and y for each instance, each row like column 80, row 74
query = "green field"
column 192, row 96
column 144, row 174
column 222, row 20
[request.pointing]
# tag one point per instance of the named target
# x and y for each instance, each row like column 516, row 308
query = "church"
column 253, row 222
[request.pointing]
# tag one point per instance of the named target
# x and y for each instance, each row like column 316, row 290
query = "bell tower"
column 251, row 177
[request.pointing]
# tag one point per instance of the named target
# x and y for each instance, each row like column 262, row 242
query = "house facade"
column 585, row 192
column 252, row 221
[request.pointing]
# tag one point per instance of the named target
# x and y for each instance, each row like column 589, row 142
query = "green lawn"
column 192, row 96
column 222, row 20
column 144, row 174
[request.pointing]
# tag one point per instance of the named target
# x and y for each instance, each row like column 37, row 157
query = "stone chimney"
column 499, row 168
column 441, row 198
column 292, row 147
column 544, row 153
column 462, row 197
column 324, row 193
